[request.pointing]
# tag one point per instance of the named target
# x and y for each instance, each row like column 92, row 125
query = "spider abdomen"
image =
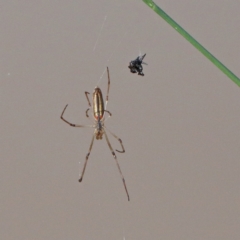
column 98, row 104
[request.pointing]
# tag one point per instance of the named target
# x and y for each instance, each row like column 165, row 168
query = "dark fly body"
column 135, row 66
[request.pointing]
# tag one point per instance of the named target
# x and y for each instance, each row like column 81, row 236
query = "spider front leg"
column 107, row 88
column 89, row 103
column 87, row 113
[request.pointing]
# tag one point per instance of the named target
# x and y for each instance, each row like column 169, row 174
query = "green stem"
column 196, row 44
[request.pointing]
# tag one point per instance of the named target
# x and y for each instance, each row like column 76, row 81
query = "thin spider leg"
column 87, row 113
column 119, row 169
column 108, row 87
column 89, row 103
column 85, row 164
column 108, row 112
column 105, row 119
column 119, row 139
column 71, row 124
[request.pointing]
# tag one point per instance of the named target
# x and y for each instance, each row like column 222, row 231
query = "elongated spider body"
column 99, row 110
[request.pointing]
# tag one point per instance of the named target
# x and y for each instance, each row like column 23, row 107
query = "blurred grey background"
column 179, row 123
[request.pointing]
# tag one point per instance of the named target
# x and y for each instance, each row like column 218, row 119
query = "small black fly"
column 136, row 65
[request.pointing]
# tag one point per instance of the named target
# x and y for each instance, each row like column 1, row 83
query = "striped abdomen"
column 98, row 104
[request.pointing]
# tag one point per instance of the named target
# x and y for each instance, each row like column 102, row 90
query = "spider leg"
column 108, row 113
column 107, row 88
column 85, row 164
column 87, row 113
column 119, row 169
column 119, row 139
column 89, row 103
column 72, row 124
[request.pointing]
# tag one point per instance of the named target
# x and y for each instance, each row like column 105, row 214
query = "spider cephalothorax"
column 99, row 131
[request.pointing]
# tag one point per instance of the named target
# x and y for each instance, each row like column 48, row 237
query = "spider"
column 99, row 111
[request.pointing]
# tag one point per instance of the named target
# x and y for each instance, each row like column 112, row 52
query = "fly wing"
column 142, row 57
